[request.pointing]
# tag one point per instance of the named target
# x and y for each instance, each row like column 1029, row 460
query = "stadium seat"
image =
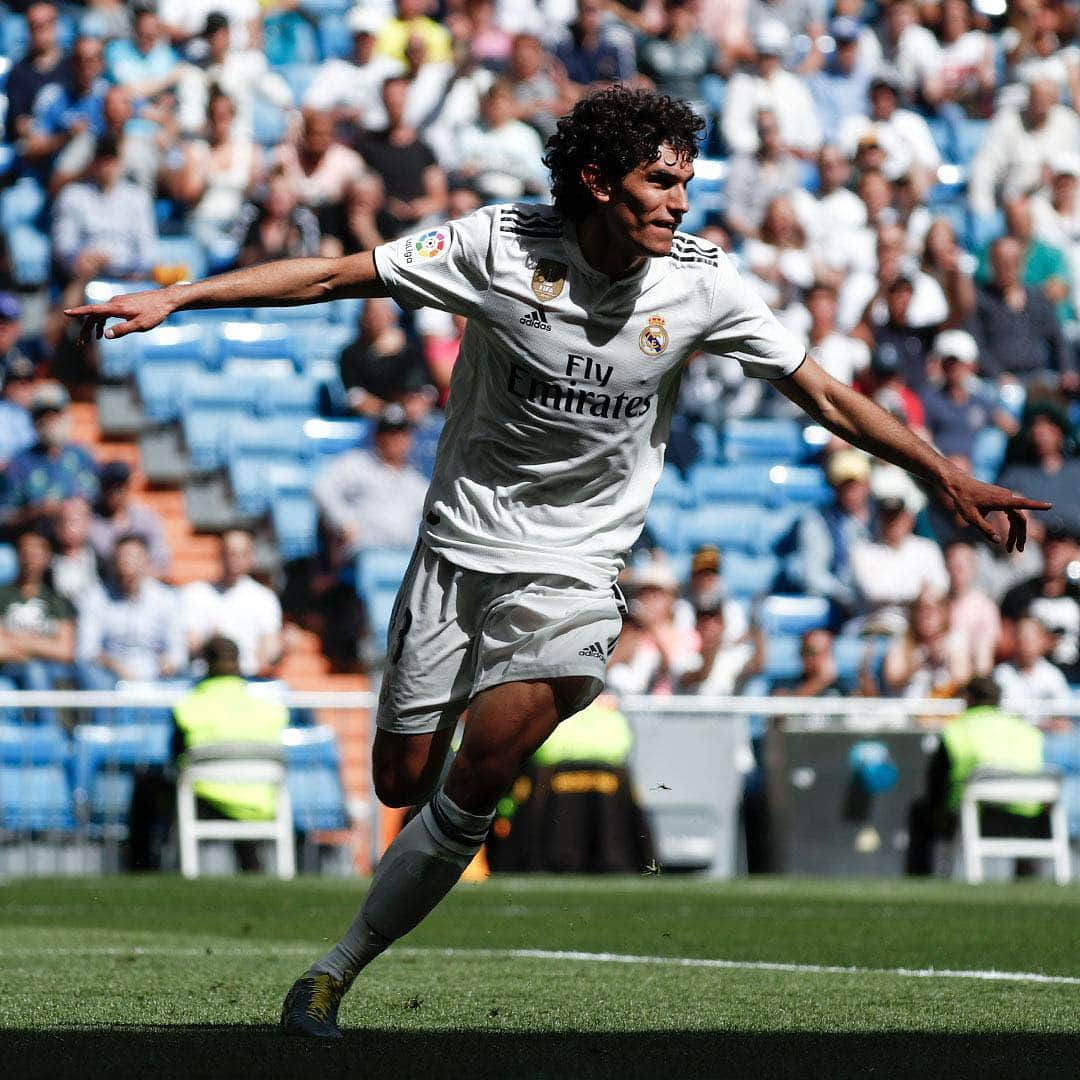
column 775, row 441
column 275, row 439
column 181, row 251
column 300, row 75
column 793, row 614
column 672, row 489
column 269, row 369
column 256, row 340
column 425, row 443
column 210, row 404
column 21, row 204
column 708, row 443
column 105, row 759
column 663, row 522
column 30, row 252
column 380, row 606
column 749, row 576
column 313, row 774
column 747, row 483
column 160, row 387
column 331, row 437
column 303, row 313
column 335, row 37
column 731, row 526
column 381, row 569
column 782, row 658
column 34, row 790
column 295, row 524
column 268, row 123
column 293, row 396
column 988, row 453
column 800, row 485
column 346, row 310
column 9, row 564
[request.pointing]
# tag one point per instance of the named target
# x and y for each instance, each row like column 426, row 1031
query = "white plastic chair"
column 233, row 763
column 991, row 786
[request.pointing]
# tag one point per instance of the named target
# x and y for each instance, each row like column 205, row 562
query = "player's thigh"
column 505, row 726
column 406, row 767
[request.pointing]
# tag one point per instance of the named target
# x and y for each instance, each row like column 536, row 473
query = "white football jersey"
column 561, row 398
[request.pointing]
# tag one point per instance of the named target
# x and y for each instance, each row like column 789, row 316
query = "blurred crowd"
column 898, row 179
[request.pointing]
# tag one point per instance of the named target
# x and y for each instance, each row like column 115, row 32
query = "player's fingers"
column 972, row 515
column 86, row 309
column 1020, row 503
column 1017, row 530
column 119, row 330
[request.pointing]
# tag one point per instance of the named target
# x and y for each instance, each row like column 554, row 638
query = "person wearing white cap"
column 769, row 87
column 350, row 87
column 964, row 405
column 1055, row 211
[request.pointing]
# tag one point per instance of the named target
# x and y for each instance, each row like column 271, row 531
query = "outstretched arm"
column 858, row 420
column 287, row 282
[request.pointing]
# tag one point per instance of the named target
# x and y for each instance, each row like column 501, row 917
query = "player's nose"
column 679, row 201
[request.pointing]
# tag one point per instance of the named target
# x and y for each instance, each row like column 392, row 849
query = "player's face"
column 651, row 201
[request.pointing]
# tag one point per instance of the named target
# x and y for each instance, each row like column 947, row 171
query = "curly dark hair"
column 617, row 130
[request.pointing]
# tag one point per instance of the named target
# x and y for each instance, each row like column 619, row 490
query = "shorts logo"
column 596, row 651
column 653, row 340
column 548, row 279
column 536, row 319
column 432, row 244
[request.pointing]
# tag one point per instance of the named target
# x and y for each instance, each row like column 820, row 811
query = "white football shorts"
column 455, row 632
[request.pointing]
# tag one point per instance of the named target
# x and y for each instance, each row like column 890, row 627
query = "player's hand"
column 140, row 311
column 970, row 500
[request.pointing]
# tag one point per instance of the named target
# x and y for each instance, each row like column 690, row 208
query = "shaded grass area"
column 152, row 975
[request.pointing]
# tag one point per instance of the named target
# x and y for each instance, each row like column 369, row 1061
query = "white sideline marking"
column 554, row 954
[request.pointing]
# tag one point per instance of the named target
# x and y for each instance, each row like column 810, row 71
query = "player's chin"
column 656, row 243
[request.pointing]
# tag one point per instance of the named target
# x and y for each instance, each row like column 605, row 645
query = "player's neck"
column 603, row 252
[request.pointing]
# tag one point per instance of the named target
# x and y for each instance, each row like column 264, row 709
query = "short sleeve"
column 446, row 267
column 741, row 325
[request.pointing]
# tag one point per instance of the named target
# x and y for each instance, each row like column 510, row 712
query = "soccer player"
column 581, row 316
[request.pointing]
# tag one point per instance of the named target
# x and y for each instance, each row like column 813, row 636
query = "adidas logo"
column 536, row 319
column 595, row 650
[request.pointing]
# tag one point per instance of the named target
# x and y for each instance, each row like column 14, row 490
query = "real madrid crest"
column 653, row 340
column 548, row 279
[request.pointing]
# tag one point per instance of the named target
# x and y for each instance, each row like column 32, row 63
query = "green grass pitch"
column 156, row 977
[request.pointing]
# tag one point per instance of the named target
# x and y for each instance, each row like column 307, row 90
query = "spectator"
column 1019, row 335
column 1056, row 213
column 843, row 357
column 500, row 156
column 721, row 667
column 65, row 109
column 928, row 660
column 840, row 89
column 1029, row 676
column 117, row 514
column 104, row 227
column 908, row 48
column 781, row 265
column 412, row 21
column 820, row 676
column 769, row 86
column 705, row 587
column 147, row 65
column 278, row 228
column 893, row 568
column 16, row 383
column 963, row 406
column 38, row 480
column 319, row 168
column 37, row 625
column 981, row 737
column 75, row 567
column 884, row 381
column 385, row 365
column 755, row 180
column 374, row 498
column 1041, row 456
column 243, row 74
column 540, row 87
column 834, row 217
column 185, row 20
column 349, row 88
column 1044, row 266
column 1019, row 144
column 964, row 82
column 220, row 709
column 824, row 540
column 132, row 630
column 237, row 607
column 951, row 267
column 44, row 65
column 589, row 59
column 489, row 43
column 363, row 222
column 414, row 180
column 902, row 134
column 973, row 617
column 218, row 174
column 680, row 57
column 1053, row 597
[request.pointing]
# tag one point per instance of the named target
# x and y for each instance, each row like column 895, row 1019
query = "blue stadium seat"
column 257, row 483
column 21, row 204
column 170, row 343
column 210, row 405
column 426, row 442
column 268, row 123
column 269, row 440
column 748, row 483
column 793, row 614
column 708, row 443
column 181, row 251
column 261, row 341
column 672, row 489
column 852, row 653
column 968, row 138
column 313, row 776
column 731, row 526
column 749, row 576
column 381, row 569
column 988, row 453
column 319, row 9
column 34, row 789
column 380, row 606
column 315, row 344
column 330, row 437
column 800, row 485
column 9, row 564
column 774, row 441
column 160, row 386
column 295, row 523
column 335, row 37
column 663, row 521
column 270, row 369
column 782, row 659
column 347, row 310
column 106, row 756
column 294, row 396
column 300, row 75
column 30, row 252
column 302, row 313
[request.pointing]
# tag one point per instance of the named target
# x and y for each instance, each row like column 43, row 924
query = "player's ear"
column 596, row 183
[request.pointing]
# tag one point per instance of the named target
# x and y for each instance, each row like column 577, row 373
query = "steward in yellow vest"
column 221, row 709
column 982, row 737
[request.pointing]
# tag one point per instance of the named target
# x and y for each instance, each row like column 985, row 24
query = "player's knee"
column 399, row 787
